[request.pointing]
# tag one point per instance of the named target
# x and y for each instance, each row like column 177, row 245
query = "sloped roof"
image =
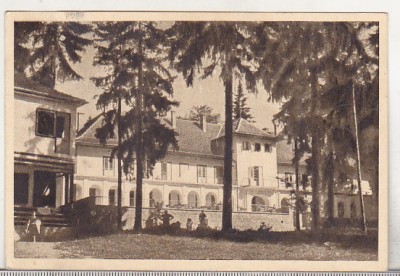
column 29, row 86
column 191, row 138
column 241, row 126
column 285, row 153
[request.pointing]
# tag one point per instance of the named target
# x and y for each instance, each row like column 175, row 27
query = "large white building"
column 192, row 176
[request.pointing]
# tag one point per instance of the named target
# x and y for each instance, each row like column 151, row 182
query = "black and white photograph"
column 220, row 138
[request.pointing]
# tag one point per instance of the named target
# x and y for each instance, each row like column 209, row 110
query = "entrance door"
column 21, row 183
column 44, row 189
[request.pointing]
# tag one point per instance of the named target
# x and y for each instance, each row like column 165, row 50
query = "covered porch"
column 43, row 181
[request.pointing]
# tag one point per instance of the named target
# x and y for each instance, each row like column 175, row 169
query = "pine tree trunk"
column 228, row 158
column 330, row 183
column 296, row 168
column 139, row 147
column 119, row 189
column 315, row 152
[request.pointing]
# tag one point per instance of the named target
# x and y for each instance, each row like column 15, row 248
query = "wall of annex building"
column 160, row 192
column 246, row 159
column 179, row 168
column 181, row 178
column 25, row 125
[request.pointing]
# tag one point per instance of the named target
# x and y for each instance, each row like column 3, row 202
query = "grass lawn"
column 275, row 246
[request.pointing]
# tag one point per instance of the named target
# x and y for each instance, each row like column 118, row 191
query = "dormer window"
column 257, row 147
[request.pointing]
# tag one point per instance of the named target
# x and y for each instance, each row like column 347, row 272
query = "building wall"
column 240, row 220
column 26, row 139
column 246, row 159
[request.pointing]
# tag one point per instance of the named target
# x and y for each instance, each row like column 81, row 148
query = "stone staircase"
column 55, row 225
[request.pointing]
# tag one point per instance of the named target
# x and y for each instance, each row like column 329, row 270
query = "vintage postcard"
column 196, row 141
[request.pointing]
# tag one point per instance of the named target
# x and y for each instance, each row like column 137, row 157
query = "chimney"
column 173, row 119
column 80, row 120
column 203, row 123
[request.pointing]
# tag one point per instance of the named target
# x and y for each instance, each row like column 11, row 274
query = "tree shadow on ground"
column 345, row 238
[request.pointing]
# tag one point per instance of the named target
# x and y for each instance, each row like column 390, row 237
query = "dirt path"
column 37, row 250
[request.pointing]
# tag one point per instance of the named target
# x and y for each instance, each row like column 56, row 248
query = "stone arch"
column 155, row 197
column 211, row 200
column 353, row 210
column 257, row 204
column 174, row 198
column 112, row 196
column 193, row 200
column 285, row 204
column 96, row 193
column 340, row 209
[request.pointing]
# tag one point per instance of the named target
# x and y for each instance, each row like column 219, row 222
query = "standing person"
column 33, row 227
column 189, row 224
column 203, row 219
column 166, row 218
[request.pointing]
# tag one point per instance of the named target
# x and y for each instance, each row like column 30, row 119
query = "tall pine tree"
column 52, row 47
column 211, row 45
column 240, row 108
column 133, row 54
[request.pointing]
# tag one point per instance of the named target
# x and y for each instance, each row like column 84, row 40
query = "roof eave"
column 71, row 99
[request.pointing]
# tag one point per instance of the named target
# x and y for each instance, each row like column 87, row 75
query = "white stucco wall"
column 26, row 140
column 246, row 159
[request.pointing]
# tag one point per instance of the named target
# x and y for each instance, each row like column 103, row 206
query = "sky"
column 204, row 92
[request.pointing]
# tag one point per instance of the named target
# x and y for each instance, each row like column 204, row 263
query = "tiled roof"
column 87, row 134
column 191, row 138
column 285, row 153
column 27, row 85
column 241, row 126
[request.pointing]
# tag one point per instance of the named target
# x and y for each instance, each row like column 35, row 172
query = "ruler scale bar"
column 180, row 273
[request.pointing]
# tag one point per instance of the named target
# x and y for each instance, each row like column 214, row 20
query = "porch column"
column 71, row 188
column 66, row 192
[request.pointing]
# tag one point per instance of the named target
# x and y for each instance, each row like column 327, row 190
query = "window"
column 164, row 171
column 111, row 197
column 340, row 209
column 52, row 124
column 201, row 174
column 218, row 175
column 183, row 169
column 267, row 148
column 257, row 147
column 107, row 163
column 193, row 200
column 246, row 145
column 255, row 175
column 60, row 124
column 174, row 199
column 45, row 123
column 132, row 198
column 210, row 200
column 288, row 178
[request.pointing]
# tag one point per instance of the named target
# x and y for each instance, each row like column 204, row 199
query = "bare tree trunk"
column 139, row 147
column 315, row 151
column 364, row 221
column 228, row 158
column 119, row 189
column 330, row 183
column 296, row 169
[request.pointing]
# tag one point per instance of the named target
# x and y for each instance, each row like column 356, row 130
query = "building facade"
column 190, row 177
column 44, row 144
